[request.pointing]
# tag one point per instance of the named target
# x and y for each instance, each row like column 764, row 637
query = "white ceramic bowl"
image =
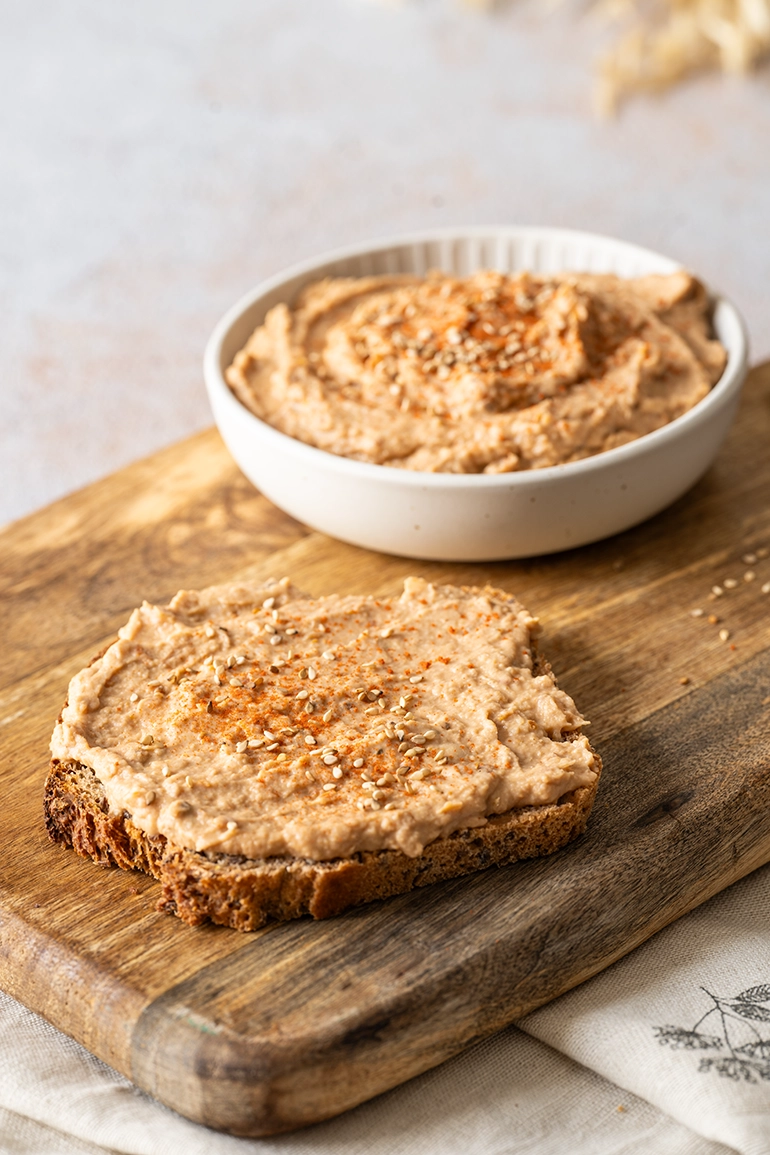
column 473, row 517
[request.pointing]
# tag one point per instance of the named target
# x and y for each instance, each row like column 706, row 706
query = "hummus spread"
column 487, row 374
column 256, row 721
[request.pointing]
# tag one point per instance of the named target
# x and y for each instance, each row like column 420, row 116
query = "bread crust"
column 245, row 893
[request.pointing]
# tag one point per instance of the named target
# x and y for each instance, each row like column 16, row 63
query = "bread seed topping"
column 368, row 723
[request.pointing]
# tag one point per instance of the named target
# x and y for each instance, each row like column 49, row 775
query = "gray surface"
column 160, row 158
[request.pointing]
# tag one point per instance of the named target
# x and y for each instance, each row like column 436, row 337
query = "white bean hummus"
column 487, row 374
column 256, row 721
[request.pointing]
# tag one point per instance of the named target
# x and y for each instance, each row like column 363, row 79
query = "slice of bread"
column 244, row 892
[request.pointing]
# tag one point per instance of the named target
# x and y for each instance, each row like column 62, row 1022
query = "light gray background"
column 160, row 158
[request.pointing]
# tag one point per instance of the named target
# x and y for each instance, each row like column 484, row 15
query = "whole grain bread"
column 245, row 894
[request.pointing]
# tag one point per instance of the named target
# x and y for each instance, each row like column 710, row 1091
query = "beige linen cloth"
column 667, row 1052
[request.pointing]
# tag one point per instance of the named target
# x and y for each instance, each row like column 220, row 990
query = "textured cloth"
column 668, row 1051
column 508, row 1094
column 684, row 1021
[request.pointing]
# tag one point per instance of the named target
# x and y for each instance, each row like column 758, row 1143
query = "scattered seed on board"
column 729, row 583
column 766, row 588
column 749, row 559
column 717, row 591
column 724, row 635
column 749, row 575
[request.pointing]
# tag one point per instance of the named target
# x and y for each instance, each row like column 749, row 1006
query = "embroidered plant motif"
column 745, row 1046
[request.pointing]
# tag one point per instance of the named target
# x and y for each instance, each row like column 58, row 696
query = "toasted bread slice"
column 233, row 886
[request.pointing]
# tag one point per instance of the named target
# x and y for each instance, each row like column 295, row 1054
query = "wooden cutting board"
column 265, row 1032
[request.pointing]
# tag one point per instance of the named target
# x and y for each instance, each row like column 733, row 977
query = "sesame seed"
column 236, row 681
column 310, row 740
column 337, row 772
column 763, row 552
column 230, row 662
column 303, row 672
column 310, row 775
column 282, row 757
column 327, row 717
column 432, row 733
column 684, row 681
column 255, row 743
column 328, row 655
column 268, row 603
column 272, row 746
column 410, row 789
column 309, row 708
column 390, row 806
column 724, row 635
column 418, row 776
column 303, row 694
column 149, row 798
column 361, row 805
column 311, row 673
column 329, row 786
column 367, row 784
column 232, row 825
column 378, row 795
column 387, row 633
column 766, row 588
column 329, row 759
column 269, row 735
column 416, row 678
column 729, row 583
column 275, row 640
column 241, row 747
column 717, row 591
column 165, row 771
column 358, row 763
column 371, row 710
column 413, row 752
column 749, row 559
column 749, row 575
column 181, row 807
column 408, row 717
column 210, row 631
column 134, row 697
column 146, row 740
column 696, row 613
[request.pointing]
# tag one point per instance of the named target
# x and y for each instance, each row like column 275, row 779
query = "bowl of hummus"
column 477, row 394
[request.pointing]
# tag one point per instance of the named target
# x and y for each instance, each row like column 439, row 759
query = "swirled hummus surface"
column 487, row 374
column 254, row 720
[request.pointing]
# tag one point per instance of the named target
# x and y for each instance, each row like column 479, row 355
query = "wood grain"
column 265, row 1032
